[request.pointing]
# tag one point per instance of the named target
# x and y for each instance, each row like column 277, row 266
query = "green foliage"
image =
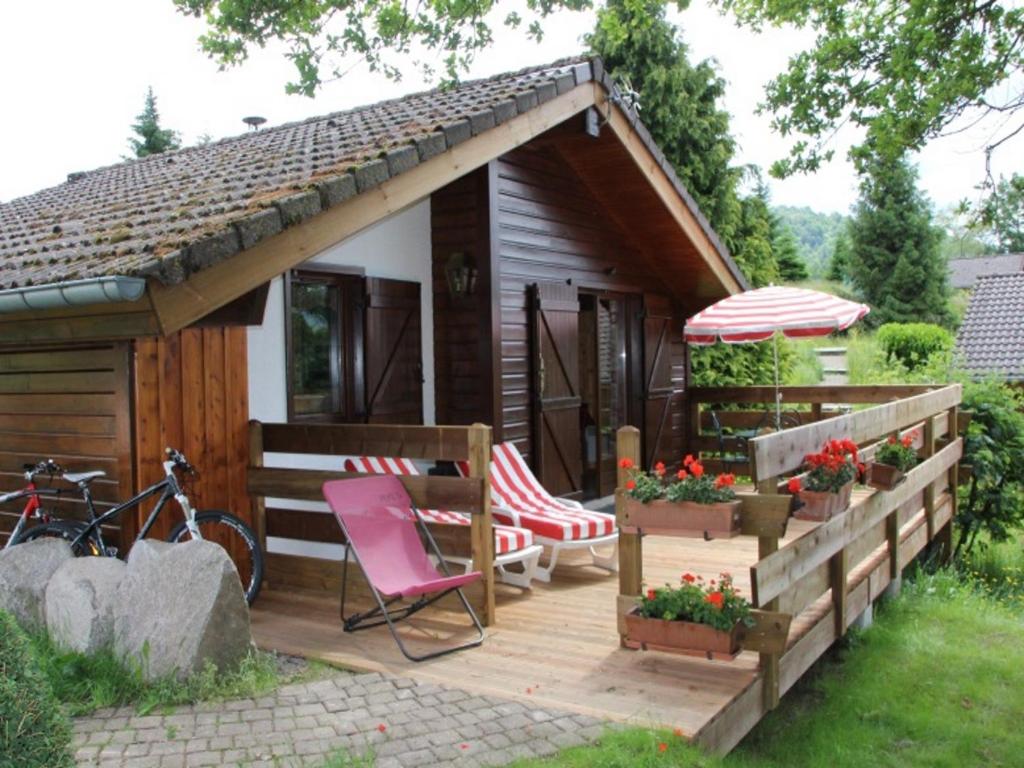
column 833, row 467
column 901, row 71
column 791, row 265
column 997, row 569
column 913, row 344
column 630, row 748
column 897, row 453
column 701, row 488
column 992, row 503
column 150, row 138
column 895, row 260
column 34, row 733
column 1003, row 214
column 86, row 683
column 839, row 261
column 815, row 233
column 716, row 603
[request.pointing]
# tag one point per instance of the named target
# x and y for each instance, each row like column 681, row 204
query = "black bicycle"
column 223, row 528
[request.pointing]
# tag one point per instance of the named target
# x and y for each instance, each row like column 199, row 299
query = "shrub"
column 913, row 344
column 993, row 501
column 33, row 728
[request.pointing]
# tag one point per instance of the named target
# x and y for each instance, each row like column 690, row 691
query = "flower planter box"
column 684, row 518
column 821, row 506
column 884, row 477
column 683, row 637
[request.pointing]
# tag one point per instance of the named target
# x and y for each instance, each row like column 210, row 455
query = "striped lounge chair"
column 511, row 544
column 517, row 498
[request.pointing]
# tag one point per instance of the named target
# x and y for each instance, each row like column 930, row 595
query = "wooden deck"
column 555, row 646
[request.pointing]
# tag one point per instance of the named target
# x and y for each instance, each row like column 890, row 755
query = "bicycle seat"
column 84, row 477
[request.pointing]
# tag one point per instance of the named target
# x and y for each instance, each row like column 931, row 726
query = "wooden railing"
column 827, row 577
column 800, row 406
column 288, row 474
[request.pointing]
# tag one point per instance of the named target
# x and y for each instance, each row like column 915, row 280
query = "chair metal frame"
column 358, row 621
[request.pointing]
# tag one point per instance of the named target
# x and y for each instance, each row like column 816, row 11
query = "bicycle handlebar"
column 177, row 458
column 47, row 466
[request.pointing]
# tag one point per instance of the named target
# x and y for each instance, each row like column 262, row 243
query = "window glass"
column 315, row 336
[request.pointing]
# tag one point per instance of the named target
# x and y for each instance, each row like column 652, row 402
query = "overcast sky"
column 75, row 74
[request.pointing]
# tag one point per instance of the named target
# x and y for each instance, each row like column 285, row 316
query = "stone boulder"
column 25, row 570
column 80, row 602
column 180, row 609
column 143, row 552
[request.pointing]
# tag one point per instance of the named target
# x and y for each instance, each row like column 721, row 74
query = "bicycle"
column 33, row 508
column 223, row 528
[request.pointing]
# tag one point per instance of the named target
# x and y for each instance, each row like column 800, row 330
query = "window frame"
column 347, row 374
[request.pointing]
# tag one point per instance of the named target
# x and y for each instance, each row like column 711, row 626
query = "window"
column 322, row 324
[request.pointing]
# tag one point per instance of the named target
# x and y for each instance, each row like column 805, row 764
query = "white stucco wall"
column 396, row 248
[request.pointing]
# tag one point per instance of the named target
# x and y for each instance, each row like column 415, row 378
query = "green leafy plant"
column 993, row 501
column 715, row 603
column 913, row 344
column 898, row 453
column 34, row 731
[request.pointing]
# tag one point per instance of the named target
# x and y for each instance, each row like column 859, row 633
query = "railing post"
column 631, row 567
column 944, row 538
column 838, row 568
column 927, row 451
column 482, row 524
column 766, row 545
column 259, row 506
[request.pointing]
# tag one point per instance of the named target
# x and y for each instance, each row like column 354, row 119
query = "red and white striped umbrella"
column 756, row 316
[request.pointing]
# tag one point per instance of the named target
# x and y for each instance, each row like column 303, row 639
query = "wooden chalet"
column 507, row 260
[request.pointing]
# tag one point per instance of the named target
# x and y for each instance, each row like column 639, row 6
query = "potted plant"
column 892, row 460
column 825, row 492
column 696, row 618
column 691, row 503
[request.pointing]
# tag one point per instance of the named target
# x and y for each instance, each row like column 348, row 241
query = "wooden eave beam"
column 95, row 322
column 665, row 189
column 180, row 305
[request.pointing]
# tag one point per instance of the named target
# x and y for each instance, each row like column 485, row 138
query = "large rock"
column 180, row 609
column 80, row 601
column 145, row 551
column 25, row 570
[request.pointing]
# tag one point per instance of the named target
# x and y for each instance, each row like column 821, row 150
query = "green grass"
column 998, row 569
column 87, row 683
column 938, row 681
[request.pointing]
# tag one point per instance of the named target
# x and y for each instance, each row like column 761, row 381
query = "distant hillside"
column 815, row 234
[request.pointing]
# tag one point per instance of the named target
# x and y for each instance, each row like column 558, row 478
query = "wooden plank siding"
column 550, row 227
column 191, row 393
column 69, row 404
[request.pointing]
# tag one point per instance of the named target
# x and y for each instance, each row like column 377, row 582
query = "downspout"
column 74, row 293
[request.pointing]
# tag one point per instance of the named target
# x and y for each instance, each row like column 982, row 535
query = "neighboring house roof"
column 991, row 338
column 173, row 214
column 964, row 273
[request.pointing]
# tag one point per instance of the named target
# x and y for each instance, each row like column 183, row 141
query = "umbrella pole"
column 778, row 395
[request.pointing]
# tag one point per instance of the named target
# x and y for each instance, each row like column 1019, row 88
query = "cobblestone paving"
column 400, row 722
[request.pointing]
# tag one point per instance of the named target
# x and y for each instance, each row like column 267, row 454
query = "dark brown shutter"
column 393, row 353
column 556, row 391
column 657, row 327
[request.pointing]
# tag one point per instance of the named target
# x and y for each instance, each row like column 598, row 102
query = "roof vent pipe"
column 74, row 293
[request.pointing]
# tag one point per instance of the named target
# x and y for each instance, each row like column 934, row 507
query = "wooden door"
column 657, row 390
column 555, row 394
column 393, row 355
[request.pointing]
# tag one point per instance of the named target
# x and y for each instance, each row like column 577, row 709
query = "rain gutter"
column 73, row 293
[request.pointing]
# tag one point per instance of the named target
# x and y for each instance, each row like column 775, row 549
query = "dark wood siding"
column 69, row 404
column 393, row 352
column 191, row 392
column 463, row 361
column 550, row 227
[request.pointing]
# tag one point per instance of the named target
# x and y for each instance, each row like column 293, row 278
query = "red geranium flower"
column 681, row 474
column 626, row 463
column 697, row 469
column 651, row 594
column 908, row 440
column 382, row 727
column 688, row 460
column 662, row 746
column 689, row 578
column 892, row 440
column 630, row 485
column 660, row 468
column 715, row 598
column 793, row 486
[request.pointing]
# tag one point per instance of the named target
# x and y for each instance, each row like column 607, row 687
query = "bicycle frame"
column 168, row 488
column 33, row 493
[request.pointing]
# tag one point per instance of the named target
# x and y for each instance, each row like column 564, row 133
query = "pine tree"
column 839, row 263
column 792, row 268
column 150, row 138
column 895, row 259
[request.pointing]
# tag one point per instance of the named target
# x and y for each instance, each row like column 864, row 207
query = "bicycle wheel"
column 69, row 530
column 237, row 539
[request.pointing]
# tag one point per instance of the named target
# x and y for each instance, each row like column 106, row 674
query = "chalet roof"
column 991, row 338
column 964, row 273
column 173, row 214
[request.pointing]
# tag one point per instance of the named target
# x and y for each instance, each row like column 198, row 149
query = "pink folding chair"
column 382, row 529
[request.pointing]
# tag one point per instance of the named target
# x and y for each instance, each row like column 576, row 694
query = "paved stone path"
column 400, row 722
